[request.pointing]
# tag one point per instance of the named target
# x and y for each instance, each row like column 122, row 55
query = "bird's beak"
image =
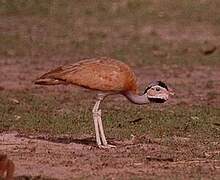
column 171, row 92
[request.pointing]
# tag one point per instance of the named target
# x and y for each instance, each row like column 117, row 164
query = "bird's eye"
column 157, row 89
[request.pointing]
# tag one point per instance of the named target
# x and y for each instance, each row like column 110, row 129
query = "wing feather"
column 103, row 74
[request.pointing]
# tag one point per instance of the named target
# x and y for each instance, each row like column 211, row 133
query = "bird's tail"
column 53, row 77
column 47, row 81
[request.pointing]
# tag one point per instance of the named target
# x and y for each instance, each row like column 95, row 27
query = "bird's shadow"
column 67, row 140
column 89, row 141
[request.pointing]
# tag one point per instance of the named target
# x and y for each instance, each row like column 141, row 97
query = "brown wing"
column 103, row 74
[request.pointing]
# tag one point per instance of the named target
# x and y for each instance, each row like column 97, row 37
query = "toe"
column 108, row 146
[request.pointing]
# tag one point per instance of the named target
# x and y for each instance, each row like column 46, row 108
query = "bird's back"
column 104, row 74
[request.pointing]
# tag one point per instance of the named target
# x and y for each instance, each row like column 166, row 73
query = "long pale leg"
column 95, row 118
column 104, row 141
column 98, row 124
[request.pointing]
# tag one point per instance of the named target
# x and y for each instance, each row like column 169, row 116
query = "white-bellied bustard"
column 106, row 76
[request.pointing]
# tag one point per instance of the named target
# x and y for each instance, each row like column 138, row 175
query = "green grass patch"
column 25, row 7
column 71, row 114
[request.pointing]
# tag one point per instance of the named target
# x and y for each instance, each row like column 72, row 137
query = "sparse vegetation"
column 141, row 32
column 51, row 115
column 177, row 41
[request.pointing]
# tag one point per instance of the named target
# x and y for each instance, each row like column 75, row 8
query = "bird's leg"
column 104, row 141
column 98, row 122
column 95, row 118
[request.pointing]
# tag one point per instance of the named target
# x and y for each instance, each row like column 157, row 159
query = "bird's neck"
column 136, row 99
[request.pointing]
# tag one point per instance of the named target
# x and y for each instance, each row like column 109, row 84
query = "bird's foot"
column 107, row 146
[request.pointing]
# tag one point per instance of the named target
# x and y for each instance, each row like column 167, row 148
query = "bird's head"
column 158, row 92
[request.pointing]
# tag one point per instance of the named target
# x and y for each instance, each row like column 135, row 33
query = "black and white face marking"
column 157, row 92
column 154, row 83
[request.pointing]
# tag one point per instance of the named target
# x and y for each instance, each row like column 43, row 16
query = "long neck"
column 136, row 99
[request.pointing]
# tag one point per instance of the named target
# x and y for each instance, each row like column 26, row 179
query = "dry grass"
column 167, row 39
column 140, row 32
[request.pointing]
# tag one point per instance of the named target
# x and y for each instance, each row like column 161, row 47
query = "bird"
column 105, row 76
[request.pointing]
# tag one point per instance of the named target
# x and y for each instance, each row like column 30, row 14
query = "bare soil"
column 191, row 84
column 143, row 157
column 42, row 157
column 176, row 42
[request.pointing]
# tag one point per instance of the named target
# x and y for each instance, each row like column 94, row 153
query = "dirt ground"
column 173, row 41
column 195, row 84
column 142, row 158
column 63, row 157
